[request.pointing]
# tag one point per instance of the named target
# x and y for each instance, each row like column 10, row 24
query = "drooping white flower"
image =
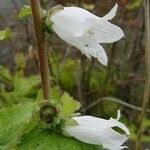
column 98, row 131
column 85, row 31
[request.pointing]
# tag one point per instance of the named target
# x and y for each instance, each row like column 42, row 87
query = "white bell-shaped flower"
column 98, row 131
column 85, row 31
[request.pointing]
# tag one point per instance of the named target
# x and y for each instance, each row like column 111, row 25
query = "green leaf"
column 25, row 12
column 39, row 97
column 69, row 105
column 10, row 98
column 44, row 139
column 6, row 34
column 26, row 86
column 12, row 123
column 56, row 94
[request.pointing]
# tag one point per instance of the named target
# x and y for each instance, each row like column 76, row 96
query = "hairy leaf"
column 42, row 139
column 12, row 123
column 56, row 94
column 69, row 105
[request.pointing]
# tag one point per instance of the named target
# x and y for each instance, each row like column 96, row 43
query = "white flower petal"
column 71, row 20
column 114, row 122
column 104, row 31
column 97, row 51
column 118, row 114
column 98, row 131
column 112, row 13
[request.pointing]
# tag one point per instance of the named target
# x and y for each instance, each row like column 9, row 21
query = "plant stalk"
column 147, row 83
column 41, row 46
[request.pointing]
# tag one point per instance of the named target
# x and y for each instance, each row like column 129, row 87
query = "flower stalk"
column 41, row 46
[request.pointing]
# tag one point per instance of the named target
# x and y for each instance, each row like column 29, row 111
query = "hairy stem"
column 41, row 45
column 147, row 84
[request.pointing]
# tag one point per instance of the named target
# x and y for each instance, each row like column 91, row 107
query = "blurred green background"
column 101, row 90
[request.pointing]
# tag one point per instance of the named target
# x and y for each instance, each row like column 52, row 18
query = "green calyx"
column 48, row 113
column 48, row 23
